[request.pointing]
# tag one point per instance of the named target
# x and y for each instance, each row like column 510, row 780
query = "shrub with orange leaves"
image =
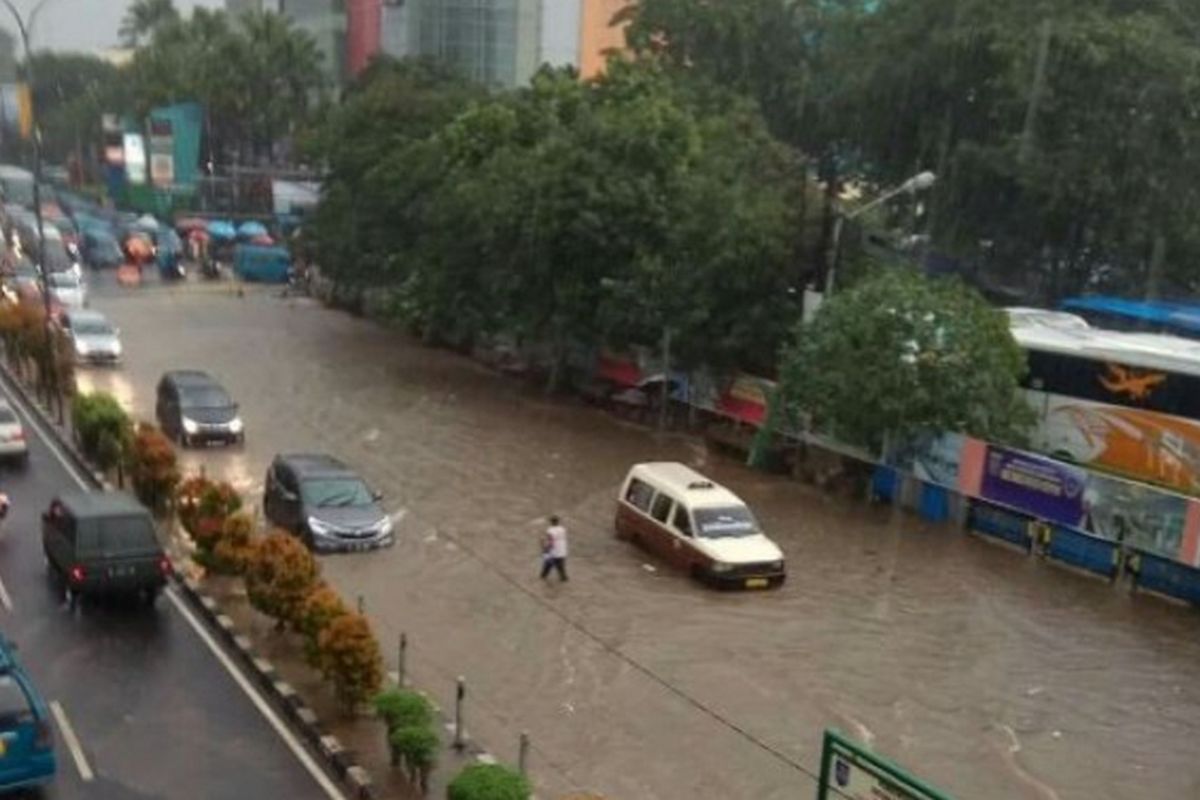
column 321, row 607
column 349, row 658
column 153, row 467
column 234, row 546
column 280, row 573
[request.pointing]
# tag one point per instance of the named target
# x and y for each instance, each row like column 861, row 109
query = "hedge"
column 488, row 782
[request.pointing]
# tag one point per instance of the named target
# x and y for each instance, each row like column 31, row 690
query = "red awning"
column 745, row 400
column 621, row 370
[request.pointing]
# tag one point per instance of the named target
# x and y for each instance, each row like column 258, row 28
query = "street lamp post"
column 917, row 183
column 23, row 28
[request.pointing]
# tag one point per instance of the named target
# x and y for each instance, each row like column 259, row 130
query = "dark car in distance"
column 325, row 503
column 193, row 408
column 103, row 543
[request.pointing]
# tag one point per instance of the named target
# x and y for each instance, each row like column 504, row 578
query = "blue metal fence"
column 1000, row 523
column 1168, row 577
column 1082, row 550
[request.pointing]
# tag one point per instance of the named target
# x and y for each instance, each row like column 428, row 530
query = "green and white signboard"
column 850, row 771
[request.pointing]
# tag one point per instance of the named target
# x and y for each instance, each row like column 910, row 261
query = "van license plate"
column 756, row 583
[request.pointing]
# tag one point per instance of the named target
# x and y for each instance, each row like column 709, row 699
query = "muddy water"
column 987, row 673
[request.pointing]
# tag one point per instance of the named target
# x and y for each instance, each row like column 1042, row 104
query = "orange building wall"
column 596, row 36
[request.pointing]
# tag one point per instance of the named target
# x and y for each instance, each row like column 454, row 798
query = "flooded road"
column 989, row 674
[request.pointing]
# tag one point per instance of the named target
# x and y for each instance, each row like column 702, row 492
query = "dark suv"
column 325, row 503
column 194, row 408
column 103, row 542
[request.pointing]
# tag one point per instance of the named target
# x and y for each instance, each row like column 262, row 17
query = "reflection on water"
column 106, row 379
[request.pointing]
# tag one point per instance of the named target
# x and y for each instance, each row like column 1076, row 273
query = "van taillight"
column 164, row 565
column 76, row 575
column 44, row 740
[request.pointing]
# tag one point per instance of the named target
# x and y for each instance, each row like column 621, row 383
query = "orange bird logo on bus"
column 1136, row 385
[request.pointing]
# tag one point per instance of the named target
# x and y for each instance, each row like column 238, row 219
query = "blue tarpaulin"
column 251, row 229
column 221, row 229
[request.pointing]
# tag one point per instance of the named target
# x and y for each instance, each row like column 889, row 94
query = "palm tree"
column 144, row 17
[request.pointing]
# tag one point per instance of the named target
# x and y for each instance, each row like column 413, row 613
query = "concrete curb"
column 336, row 758
column 303, row 720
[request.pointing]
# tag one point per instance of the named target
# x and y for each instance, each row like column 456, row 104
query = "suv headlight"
column 190, row 426
column 318, row 527
column 81, row 347
column 721, row 566
column 116, row 348
column 235, row 425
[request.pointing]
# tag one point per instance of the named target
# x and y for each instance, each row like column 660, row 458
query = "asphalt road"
column 155, row 711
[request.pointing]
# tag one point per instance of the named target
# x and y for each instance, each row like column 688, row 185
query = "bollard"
column 400, row 661
column 459, row 740
column 523, row 753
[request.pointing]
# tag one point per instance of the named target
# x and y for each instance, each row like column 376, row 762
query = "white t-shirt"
column 557, row 535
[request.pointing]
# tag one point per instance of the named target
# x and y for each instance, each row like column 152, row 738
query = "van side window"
column 662, row 508
column 682, row 523
column 639, row 494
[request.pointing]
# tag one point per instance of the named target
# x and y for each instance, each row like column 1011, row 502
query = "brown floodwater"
column 988, row 673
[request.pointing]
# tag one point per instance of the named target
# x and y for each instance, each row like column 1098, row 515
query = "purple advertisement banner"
column 1043, row 488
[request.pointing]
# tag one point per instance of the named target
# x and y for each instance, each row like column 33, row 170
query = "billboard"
column 135, row 157
column 1047, row 489
column 162, row 152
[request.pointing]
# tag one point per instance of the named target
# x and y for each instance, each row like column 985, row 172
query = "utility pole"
column 50, row 368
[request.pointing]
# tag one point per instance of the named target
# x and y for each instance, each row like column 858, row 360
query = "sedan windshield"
column 92, row 328
column 336, row 492
column 725, row 523
column 205, row 397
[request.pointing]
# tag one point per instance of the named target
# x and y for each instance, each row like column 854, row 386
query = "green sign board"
column 850, row 771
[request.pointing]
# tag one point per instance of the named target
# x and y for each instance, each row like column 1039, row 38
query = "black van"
column 192, row 407
column 103, row 542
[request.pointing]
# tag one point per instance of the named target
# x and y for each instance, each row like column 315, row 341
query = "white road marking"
column 5, row 600
column 289, row 739
column 293, row 744
column 72, row 742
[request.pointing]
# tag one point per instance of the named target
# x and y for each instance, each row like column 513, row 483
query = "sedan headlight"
column 385, row 527
column 190, row 426
column 318, row 527
column 721, row 566
column 116, row 348
column 235, row 425
column 81, row 348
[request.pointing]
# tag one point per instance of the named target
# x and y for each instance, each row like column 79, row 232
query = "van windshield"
column 725, row 523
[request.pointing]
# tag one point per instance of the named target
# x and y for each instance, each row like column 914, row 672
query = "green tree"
column 257, row 75
column 900, row 355
column 143, row 18
column 71, row 93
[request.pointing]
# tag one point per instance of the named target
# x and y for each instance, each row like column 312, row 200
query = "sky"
column 82, row 24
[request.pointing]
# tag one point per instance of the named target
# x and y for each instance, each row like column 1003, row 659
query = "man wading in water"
column 554, row 549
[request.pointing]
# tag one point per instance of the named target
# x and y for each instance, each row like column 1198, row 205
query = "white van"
column 697, row 525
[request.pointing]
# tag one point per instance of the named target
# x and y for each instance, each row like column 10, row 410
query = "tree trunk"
column 1158, row 254
column 665, row 393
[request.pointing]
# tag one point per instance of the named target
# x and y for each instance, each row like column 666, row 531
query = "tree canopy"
column 144, row 17
column 899, row 355
column 567, row 214
column 1055, row 129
